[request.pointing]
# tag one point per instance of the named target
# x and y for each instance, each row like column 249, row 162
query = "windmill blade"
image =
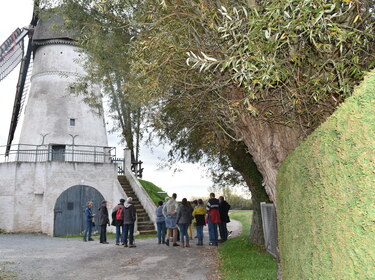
column 25, row 63
column 11, row 52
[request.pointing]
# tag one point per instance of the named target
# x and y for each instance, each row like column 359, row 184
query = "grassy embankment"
column 153, row 191
column 241, row 259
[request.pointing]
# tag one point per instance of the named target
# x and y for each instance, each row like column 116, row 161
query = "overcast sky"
column 190, row 182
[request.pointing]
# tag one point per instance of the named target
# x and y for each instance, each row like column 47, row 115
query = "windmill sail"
column 11, row 52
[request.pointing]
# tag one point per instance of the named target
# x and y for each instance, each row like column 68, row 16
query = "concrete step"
column 144, row 232
column 146, row 227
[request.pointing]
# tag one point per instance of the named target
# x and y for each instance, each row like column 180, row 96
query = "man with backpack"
column 118, row 221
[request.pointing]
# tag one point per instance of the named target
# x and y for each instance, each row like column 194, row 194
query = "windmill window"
column 72, row 122
column 72, row 90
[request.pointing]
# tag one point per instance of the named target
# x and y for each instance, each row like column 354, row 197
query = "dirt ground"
column 41, row 257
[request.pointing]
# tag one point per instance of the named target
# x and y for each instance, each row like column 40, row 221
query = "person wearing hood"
column 118, row 221
column 129, row 218
column 103, row 222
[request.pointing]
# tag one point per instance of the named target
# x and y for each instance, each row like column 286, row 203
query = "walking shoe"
column 90, row 239
column 175, row 245
column 167, row 242
column 84, row 240
column 105, row 242
column 163, row 242
column 117, row 244
column 132, row 246
column 216, row 244
column 210, row 244
column 125, row 245
column 159, row 242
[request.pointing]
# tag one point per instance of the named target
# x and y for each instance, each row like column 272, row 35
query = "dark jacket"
column 129, row 214
column 103, row 218
column 224, row 208
column 184, row 215
column 116, row 222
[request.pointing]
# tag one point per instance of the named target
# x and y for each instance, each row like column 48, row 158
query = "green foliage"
column 325, row 196
column 237, row 201
column 153, row 191
column 293, row 55
column 243, row 260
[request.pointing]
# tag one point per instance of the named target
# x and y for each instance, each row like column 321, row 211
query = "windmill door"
column 58, row 152
column 69, row 216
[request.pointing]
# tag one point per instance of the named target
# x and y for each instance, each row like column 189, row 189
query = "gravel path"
column 40, row 257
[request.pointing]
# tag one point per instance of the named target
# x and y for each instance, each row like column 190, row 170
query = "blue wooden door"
column 69, row 218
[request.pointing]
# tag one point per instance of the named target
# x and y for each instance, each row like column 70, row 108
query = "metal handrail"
column 48, row 152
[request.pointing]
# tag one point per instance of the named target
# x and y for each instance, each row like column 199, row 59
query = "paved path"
column 40, row 257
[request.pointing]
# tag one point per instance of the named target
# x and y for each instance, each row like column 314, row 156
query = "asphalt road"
column 41, row 257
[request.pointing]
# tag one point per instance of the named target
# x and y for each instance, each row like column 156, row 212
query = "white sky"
column 190, row 182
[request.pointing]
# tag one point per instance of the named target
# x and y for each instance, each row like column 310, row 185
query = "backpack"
column 118, row 213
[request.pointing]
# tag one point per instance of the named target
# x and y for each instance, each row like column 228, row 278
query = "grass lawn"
column 153, row 190
column 241, row 259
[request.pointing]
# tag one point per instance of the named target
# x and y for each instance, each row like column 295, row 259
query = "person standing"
column 170, row 214
column 118, row 221
column 103, row 222
column 224, row 208
column 129, row 216
column 89, row 222
column 184, row 219
column 213, row 219
column 199, row 214
column 160, row 223
column 190, row 228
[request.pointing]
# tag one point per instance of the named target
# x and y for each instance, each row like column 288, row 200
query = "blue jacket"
column 159, row 215
column 88, row 214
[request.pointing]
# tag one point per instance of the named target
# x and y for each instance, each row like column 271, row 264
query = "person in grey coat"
column 103, row 220
column 184, row 219
column 129, row 217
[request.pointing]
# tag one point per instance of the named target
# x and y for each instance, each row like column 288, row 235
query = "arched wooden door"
column 70, row 207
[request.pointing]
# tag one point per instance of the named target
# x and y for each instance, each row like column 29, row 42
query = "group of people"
column 123, row 218
column 172, row 216
column 174, row 221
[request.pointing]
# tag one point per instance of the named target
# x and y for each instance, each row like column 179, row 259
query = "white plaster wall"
column 50, row 105
column 28, row 191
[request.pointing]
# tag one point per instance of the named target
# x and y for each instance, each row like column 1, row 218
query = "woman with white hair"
column 129, row 216
column 89, row 222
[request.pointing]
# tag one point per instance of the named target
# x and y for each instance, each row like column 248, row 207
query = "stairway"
column 145, row 225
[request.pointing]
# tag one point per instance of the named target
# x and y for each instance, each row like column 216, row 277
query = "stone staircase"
column 145, row 225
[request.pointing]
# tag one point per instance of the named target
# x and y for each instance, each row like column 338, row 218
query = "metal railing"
column 58, row 152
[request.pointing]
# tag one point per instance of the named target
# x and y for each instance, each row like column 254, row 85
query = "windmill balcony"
column 57, row 152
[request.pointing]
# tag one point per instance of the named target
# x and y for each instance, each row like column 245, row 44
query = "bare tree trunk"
column 242, row 162
column 268, row 144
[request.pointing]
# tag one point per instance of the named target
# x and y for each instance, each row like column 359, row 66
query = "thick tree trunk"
column 268, row 144
column 242, row 162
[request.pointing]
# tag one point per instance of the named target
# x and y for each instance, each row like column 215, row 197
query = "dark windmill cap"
column 122, row 200
column 104, row 201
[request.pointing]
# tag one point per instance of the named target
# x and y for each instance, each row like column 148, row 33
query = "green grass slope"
column 325, row 196
column 153, row 190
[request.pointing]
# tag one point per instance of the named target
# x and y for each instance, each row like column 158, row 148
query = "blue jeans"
column 119, row 230
column 212, row 231
column 128, row 229
column 200, row 233
column 184, row 232
column 88, row 230
column 161, row 231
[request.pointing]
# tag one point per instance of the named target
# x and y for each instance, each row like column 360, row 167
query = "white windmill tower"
column 62, row 159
